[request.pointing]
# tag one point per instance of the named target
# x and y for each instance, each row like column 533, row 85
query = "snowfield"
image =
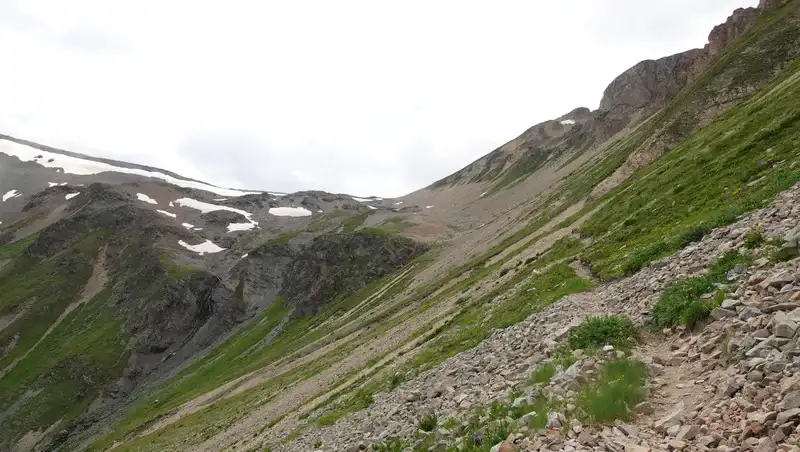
column 201, row 248
column 240, row 227
column 289, row 211
column 69, row 196
column 144, row 198
column 567, row 122
column 11, row 194
column 84, row 167
column 169, row 214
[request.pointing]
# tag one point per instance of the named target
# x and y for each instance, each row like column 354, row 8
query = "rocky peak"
column 650, row 83
column 735, row 26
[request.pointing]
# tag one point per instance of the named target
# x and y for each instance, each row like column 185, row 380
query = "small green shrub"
column 754, row 239
column 680, row 302
column 616, row 391
column 596, row 332
column 543, row 374
column 396, row 380
column 784, row 254
column 428, row 422
column 316, row 444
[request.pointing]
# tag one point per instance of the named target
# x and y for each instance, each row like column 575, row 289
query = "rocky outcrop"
column 735, row 26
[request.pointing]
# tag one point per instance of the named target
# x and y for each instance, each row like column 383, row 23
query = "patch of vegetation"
column 429, row 422
column 784, row 253
column 15, row 249
column 176, row 271
column 597, row 332
column 562, row 249
column 361, row 399
column 282, row 239
column 543, row 374
column 614, row 394
column 680, row 302
column 353, row 222
column 754, row 238
column 396, row 381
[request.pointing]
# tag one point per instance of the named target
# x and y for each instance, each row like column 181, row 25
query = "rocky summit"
column 621, row 279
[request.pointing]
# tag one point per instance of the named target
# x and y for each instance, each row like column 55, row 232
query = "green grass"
column 428, row 422
column 15, row 249
column 543, row 374
column 614, row 394
column 562, row 249
column 63, row 374
column 680, row 302
column 597, row 332
column 735, row 165
column 754, row 239
column 358, row 401
column 353, row 222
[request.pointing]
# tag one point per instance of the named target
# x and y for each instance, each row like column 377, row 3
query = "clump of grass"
column 358, row 401
column 396, row 380
column 596, row 332
column 543, row 374
column 316, row 444
column 619, row 387
column 428, row 422
column 754, row 238
column 680, row 303
column 784, row 254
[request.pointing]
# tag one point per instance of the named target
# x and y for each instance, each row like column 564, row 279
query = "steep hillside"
column 143, row 311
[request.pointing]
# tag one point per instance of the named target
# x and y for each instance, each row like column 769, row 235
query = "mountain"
column 624, row 278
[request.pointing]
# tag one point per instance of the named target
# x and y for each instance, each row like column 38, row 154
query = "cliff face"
column 651, row 83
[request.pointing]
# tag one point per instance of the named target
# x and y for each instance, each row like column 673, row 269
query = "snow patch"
column 169, row 214
column 484, row 194
column 220, row 199
column 319, row 211
column 398, row 203
column 69, row 196
column 207, row 207
column 187, row 225
column 355, row 198
column 289, row 211
column 428, row 207
column 54, row 184
column 144, row 198
column 567, row 122
column 240, row 227
column 11, row 194
column 373, row 208
column 201, row 248
column 83, row 167
column 245, row 255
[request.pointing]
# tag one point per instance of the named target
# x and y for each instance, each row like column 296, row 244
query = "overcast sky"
column 362, row 97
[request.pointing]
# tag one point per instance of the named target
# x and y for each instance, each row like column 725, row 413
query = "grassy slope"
column 58, row 379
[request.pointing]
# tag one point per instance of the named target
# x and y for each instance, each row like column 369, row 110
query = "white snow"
column 398, row 203
column 274, row 193
column 245, row 255
column 69, row 196
column 220, row 199
column 201, row 248
column 144, row 198
column 373, row 208
column 289, row 211
column 428, row 207
column 187, row 225
column 169, row 214
column 171, row 204
column 361, row 199
column 484, row 194
column 54, row 184
column 207, row 207
column 11, row 194
column 319, row 211
column 79, row 166
column 240, row 227
column 567, row 122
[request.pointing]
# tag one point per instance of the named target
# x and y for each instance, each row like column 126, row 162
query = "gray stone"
column 783, row 326
column 790, row 401
column 787, row 415
column 687, row 432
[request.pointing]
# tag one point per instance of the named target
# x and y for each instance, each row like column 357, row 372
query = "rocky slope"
column 144, row 311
